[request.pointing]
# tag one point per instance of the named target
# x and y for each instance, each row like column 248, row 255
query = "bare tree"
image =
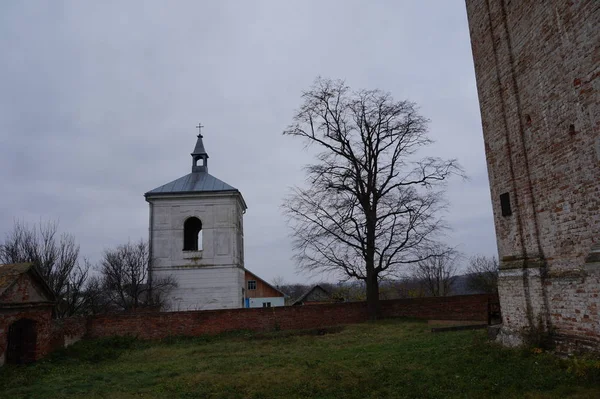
column 75, row 299
column 436, row 272
column 278, row 281
column 125, row 280
column 482, row 274
column 56, row 257
column 97, row 298
column 371, row 203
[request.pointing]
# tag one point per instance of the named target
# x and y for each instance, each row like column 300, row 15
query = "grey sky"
column 98, row 103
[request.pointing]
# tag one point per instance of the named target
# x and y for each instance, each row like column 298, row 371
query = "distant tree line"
column 435, row 276
column 118, row 283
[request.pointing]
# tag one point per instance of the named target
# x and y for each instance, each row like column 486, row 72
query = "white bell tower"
column 197, row 236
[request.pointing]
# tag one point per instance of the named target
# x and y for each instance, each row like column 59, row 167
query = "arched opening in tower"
column 192, row 234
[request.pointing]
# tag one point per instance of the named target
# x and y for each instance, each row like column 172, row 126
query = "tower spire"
column 199, row 154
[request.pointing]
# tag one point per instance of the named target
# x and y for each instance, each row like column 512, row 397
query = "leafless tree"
column 75, row 299
column 125, row 280
column 278, row 281
column 97, row 298
column 57, row 259
column 436, row 272
column 482, row 274
column 371, row 202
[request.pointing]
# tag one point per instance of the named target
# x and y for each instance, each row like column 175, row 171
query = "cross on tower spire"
column 199, row 156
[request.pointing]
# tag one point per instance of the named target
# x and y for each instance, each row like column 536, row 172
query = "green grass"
column 388, row 359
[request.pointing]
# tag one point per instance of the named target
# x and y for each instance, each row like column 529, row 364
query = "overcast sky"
column 98, row 103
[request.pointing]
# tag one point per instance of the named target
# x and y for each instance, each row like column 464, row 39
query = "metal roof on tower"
column 198, row 181
column 193, row 183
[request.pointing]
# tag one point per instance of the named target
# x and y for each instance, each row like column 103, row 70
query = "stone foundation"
column 562, row 306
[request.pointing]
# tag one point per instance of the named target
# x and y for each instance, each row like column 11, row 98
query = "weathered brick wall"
column 538, row 77
column 460, row 307
column 23, row 300
column 42, row 316
column 573, row 301
column 575, row 310
column 161, row 325
column 67, row 331
column 54, row 334
column 538, row 73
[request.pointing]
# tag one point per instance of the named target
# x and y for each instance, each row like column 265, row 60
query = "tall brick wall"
column 538, row 77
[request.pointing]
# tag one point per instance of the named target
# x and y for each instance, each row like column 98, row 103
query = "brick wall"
column 538, row 78
column 575, row 301
column 54, row 334
column 67, row 331
column 161, row 325
column 460, row 308
column 42, row 316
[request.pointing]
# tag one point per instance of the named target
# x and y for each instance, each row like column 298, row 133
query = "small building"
column 26, row 305
column 317, row 295
column 260, row 294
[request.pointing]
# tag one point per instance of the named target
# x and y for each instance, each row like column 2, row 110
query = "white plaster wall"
column 211, row 278
column 204, row 289
column 275, row 301
column 222, row 232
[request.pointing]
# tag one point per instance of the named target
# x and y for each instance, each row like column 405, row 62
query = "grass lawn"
column 387, row 359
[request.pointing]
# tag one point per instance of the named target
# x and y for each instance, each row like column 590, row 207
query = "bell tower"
column 196, row 236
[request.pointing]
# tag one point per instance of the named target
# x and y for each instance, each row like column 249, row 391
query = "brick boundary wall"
column 55, row 334
column 67, row 331
column 194, row 323
column 458, row 308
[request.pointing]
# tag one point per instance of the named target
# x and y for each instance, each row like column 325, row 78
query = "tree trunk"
column 372, row 282
column 373, row 308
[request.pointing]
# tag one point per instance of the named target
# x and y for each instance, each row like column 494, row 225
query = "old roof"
column 199, row 181
column 9, row 274
column 193, row 183
column 310, row 291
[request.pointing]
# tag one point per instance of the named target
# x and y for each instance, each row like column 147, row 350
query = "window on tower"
column 192, row 234
column 505, row 204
